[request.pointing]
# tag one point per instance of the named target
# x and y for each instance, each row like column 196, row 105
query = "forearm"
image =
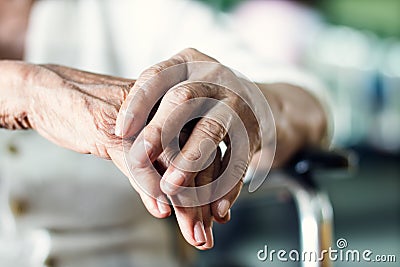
column 299, row 117
column 14, row 98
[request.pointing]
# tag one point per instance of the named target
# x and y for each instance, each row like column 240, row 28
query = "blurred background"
column 353, row 48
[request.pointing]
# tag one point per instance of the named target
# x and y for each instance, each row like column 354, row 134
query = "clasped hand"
column 163, row 131
column 190, row 90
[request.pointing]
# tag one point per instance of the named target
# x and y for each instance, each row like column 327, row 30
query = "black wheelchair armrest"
column 309, row 160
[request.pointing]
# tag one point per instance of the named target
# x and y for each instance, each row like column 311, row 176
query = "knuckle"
column 239, row 105
column 155, row 69
column 150, row 73
column 192, row 54
column 181, row 94
column 162, row 66
column 191, row 155
column 152, row 133
column 167, row 157
column 207, row 88
column 189, row 51
column 212, row 129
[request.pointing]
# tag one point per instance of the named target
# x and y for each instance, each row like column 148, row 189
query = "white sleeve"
column 72, row 33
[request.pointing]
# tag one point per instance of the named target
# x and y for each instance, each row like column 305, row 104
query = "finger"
column 181, row 104
column 151, row 85
column 204, row 178
column 148, row 188
column 156, row 207
column 141, row 157
column 168, row 154
column 190, row 221
column 208, row 224
column 199, row 150
column 169, row 119
column 192, row 229
column 221, row 209
column 196, row 222
column 144, row 178
column 235, row 168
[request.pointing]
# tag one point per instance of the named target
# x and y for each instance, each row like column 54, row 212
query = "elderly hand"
column 78, row 110
column 191, row 86
column 189, row 105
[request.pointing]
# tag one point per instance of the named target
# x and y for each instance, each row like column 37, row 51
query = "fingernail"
column 128, row 120
column 223, row 208
column 199, row 233
column 163, row 208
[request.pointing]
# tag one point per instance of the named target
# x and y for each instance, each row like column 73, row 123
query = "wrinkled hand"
column 190, row 86
column 78, row 110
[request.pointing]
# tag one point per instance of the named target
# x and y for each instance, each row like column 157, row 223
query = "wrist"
column 15, row 95
column 299, row 117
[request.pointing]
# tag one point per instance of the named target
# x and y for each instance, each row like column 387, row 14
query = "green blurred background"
column 379, row 16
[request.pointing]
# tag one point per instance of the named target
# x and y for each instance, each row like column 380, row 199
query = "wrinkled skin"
column 188, row 76
column 78, row 110
column 93, row 100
